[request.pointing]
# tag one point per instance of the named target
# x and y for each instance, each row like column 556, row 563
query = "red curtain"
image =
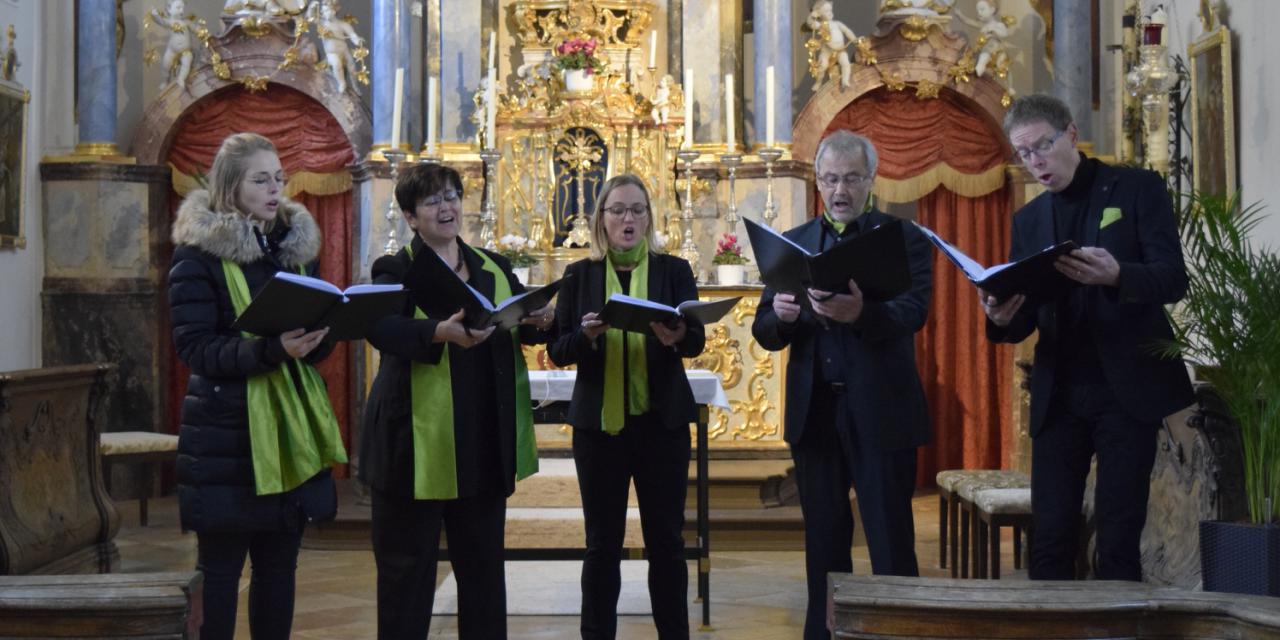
column 966, row 378
column 309, row 140
column 930, row 151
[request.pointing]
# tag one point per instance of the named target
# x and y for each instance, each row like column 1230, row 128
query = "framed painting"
column 1213, row 130
column 13, row 136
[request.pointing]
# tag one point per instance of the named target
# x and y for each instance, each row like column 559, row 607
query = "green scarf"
column 293, row 433
column 637, row 378
column 840, row 226
column 435, row 471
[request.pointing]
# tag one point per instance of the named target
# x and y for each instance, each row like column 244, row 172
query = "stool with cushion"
column 968, row 525
column 137, row 447
column 995, row 508
column 947, row 518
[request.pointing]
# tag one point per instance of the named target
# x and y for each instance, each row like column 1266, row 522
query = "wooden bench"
column 124, row 605
column 138, row 447
column 882, row 607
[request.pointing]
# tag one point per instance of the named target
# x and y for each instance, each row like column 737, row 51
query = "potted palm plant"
column 1228, row 326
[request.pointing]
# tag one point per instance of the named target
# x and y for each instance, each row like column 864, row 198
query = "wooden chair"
column 138, row 447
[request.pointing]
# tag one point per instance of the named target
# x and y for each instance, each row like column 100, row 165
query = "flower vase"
column 522, row 274
column 730, row 274
column 577, row 80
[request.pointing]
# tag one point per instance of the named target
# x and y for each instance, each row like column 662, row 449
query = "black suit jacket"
column 884, row 396
column 386, row 439
column 1128, row 322
column 670, row 397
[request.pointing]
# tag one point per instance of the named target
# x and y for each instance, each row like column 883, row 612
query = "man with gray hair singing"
column 855, row 410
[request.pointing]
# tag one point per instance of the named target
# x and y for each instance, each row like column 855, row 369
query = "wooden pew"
column 127, row 605
column 55, row 516
column 882, row 607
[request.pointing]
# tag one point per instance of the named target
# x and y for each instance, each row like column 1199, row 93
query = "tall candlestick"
column 653, row 49
column 433, row 101
column 490, row 111
column 687, row 143
column 768, row 106
column 493, row 52
column 730, row 141
column 395, row 110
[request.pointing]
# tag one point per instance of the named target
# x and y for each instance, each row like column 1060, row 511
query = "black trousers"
column 828, row 461
column 274, row 558
column 1083, row 421
column 657, row 459
column 406, row 547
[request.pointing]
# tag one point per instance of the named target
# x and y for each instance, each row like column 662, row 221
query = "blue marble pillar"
column 1072, row 62
column 462, row 52
column 390, row 51
column 96, row 71
column 773, row 48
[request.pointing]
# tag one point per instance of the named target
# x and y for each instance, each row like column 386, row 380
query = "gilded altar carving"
column 612, row 22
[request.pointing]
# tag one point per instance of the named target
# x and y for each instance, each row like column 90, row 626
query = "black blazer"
column 670, row 397
column 386, row 440
column 884, row 395
column 1128, row 322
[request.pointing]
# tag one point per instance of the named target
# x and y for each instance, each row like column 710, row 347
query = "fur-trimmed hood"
column 230, row 235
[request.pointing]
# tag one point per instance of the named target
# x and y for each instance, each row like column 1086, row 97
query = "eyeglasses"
column 637, row 211
column 1040, row 148
column 448, row 195
column 832, row 181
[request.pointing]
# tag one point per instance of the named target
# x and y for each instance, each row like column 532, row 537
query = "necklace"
column 457, row 268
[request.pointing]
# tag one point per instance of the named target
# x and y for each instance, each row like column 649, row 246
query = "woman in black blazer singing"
column 448, row 428
column 631, row 408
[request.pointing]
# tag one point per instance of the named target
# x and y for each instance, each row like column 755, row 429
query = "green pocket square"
column 1109, row 215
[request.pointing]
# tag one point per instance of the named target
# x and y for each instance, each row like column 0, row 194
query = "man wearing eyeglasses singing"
column 1097, row 386
column 855, row 410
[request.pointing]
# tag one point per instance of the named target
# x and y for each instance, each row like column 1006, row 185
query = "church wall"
column 44, row 51
column 1256, row 54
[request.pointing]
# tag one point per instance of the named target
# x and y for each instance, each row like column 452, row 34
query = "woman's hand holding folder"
column 454, row 329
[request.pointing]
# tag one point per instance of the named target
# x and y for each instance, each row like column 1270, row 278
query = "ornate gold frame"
column 1213, row 134
column 12, row 234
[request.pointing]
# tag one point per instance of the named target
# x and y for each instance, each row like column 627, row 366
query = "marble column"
column 461, row 66
column 96, row 76
column 1072, row 62
column 390, row 51
column 712, row 48
column 772, row 48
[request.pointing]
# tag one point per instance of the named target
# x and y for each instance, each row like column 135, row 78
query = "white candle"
column 768, row 105
column 395, row 110
column 730, row 141
column 653, row 49
column 493, row 53
column 433, row 101
column 688, row 109
column 491, row 111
